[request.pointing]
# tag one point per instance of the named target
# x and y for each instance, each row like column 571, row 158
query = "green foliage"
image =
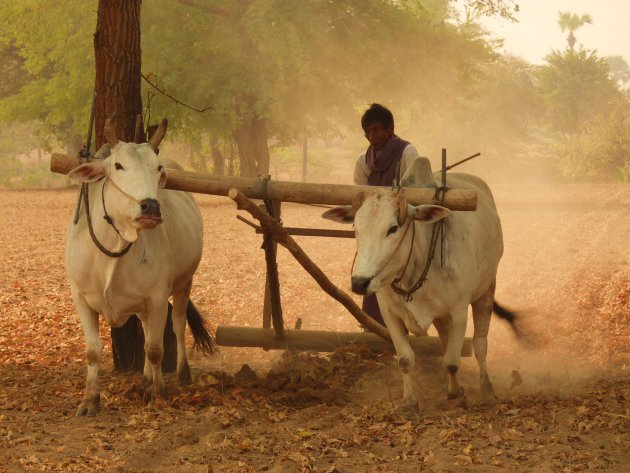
column 601, row 149
column 575, row 86
column 23, row 163
column 308, row 69
column 504, row 8
column 570, row 21
column 589, row 115
column 619, row 70
column 53, row 48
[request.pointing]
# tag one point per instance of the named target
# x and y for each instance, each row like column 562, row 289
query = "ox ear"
column 343, row 214
column 163, row 178
column 89, row 172
column 430, row 213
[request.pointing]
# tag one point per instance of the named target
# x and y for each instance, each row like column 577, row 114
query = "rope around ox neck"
column 436, row 232
column 112, row 254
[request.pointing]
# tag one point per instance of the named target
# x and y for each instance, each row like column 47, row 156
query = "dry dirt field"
column 563, row 406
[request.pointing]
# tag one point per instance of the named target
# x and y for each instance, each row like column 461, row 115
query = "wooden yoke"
column 283, row 238
column 285, row 191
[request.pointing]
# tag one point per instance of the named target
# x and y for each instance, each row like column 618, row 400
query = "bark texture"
column 118, row 67
column 251, row 138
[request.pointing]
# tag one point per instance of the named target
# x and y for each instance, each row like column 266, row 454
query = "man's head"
column 378, row 125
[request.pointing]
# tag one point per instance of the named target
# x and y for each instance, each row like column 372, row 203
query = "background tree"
column 587, row 113
column 572, row 22
column 277, row 73
column 619, row 70
column 54, row 87
column 600, row 150
column 575, row 85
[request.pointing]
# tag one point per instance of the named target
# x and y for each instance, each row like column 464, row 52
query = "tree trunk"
column 218, row 158
column 118, row 68
column 251, row 138
column 228, row 150
column 304, row 159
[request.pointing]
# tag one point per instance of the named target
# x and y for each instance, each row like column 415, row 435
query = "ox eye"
column 119, row 167
column 160, row 167
column 392, row 229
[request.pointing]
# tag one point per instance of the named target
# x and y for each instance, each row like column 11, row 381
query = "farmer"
column 377, row 166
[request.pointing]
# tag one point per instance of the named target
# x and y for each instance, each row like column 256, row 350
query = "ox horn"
column 357, row 201
column 138, row 131
column 158, row 136
column 110, row 134
column 402, row 208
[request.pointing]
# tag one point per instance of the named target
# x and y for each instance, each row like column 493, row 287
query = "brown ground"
column 564, row 406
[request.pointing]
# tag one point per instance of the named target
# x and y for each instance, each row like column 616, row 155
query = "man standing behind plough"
column 377, row 166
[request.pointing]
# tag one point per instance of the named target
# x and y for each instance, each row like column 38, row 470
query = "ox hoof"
column 454, row 401
column 183, row 375
column 458, row 395
column 404, row 363
column 151, row 395
column 410, row 405
column 89, row 406
column 487, row 390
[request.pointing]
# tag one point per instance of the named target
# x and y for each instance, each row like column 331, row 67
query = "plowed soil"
column 564, row 401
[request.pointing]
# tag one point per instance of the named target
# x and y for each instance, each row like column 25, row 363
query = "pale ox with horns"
column 133, row 247
column 393, row 243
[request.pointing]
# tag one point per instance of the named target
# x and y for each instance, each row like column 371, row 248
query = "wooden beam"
column 273, row 305
column 323, row 341
column 285, row 191
column 283, row 238
column 316, row 232
column 299, row 231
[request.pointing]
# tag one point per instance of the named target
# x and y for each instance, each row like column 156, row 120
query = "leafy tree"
column 284, row 70
column 12, row 71
column 575, row 85
column 600, row 150
column 572, row 22
column 274, row 71
column 55, row 79
column 504, row 8
column 619, row 70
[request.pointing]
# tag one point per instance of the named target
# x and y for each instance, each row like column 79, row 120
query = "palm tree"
column 571, row 22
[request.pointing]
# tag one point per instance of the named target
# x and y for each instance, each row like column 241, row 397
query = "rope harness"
column 107, row 218
column 436, row 233
column 84, row 156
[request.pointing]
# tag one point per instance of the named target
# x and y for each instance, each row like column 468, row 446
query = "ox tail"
column 201, row 331
column 509, row 316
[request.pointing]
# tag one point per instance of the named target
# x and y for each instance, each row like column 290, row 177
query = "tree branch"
column 173, row 98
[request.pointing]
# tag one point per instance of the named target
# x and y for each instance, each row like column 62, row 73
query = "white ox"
column 126, row 207
column 389, row 247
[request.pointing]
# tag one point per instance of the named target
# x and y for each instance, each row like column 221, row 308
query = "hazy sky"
column 537, row 31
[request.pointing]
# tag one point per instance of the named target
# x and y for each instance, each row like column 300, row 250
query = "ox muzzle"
column 360, row 285
column 150, row 210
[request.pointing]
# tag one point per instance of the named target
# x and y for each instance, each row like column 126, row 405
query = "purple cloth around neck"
column 382, row 162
